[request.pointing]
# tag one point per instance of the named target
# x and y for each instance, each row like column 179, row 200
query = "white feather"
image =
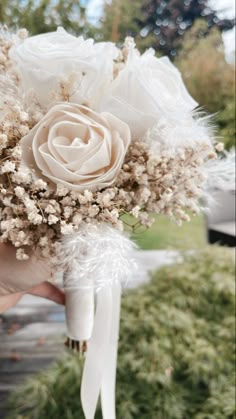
column 98, row 255
column 189, row 131
column 220, row 173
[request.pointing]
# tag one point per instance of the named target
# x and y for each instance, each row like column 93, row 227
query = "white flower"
column 8, row 167
column 35, row 218
column 147, row 88
column 21, row 255
column 52, row 219
column 45, row 60
column 62, row 190
column 77, row 219
column 20, row 192
column 135, row 211
column 77, row 147
column 40, row 184
column 67, row 229
column 22, row 176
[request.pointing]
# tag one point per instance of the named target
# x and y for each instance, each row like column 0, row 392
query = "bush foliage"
column 176, row 352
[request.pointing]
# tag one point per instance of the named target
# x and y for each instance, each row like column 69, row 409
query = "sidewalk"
column 32, row 333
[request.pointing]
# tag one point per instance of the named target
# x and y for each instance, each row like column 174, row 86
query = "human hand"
column 24, row 277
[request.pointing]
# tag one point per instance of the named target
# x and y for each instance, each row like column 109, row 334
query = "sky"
column 228, row 5
column 226, row 8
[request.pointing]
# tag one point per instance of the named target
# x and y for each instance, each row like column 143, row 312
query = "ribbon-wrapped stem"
column 79, row 316
column 97, row 261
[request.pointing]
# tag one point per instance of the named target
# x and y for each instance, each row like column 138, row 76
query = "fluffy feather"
column 173, row 134
column 220, row 173
column 98, row 255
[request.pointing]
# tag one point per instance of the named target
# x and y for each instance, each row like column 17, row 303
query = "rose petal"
column 77, row 147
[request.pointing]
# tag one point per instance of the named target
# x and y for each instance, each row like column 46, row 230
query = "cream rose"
column 77, row 147
column 43, row 61
column 147, row 89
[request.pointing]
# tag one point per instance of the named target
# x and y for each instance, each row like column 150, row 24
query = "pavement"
column 32, row 333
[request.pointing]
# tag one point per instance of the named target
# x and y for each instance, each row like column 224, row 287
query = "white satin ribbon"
column 99, row 373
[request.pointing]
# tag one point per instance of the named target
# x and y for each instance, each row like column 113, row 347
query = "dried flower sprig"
column 169, row 185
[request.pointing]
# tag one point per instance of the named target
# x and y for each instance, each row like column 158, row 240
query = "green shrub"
column 226, row 122
column 176, row 352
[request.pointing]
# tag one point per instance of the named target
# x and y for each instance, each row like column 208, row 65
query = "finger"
column 17, row 276
column 8, row 301
column 49, row 291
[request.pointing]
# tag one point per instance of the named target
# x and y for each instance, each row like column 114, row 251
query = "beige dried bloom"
column 21, row 255
column 145, row 219
column 22, row 34
column 110, row 216
column 52, row 219
column 88, row 195
column 93, row 211
column 40, row 184
column 35, row 218
column 135, row 211
column 7, row 167
column 66, row 87
column 20, row 192
column 77, row 219
column 68, row 212
column 22, row 176
column 43, row 241
column 219, row 147
column 62, row 190
column 3, row 141
column 67, row 201
column 82, row 199
column 67, row 228
column 50, row 209
column 104, row 199
column 16, row 153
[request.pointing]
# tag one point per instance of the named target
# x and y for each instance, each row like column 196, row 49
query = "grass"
column 165, row 234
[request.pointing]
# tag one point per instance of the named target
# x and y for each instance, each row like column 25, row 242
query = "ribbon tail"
column 95, row 361
column 108, row 388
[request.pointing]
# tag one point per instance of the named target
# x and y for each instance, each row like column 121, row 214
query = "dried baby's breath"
column 36, row 214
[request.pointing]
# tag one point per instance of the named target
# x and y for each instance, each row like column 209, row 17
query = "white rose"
column 76, row 147
column 44, row 60
column 147, row 89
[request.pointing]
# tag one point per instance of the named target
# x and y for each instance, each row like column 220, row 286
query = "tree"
column 169, row 20
column 120, row 19
column 159, row 23
column 209, row 78
column 44, row 15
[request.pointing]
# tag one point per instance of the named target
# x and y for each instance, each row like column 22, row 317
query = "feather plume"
column 98, row 255
column 220, row 173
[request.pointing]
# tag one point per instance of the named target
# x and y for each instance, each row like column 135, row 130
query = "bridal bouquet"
column 88, row 134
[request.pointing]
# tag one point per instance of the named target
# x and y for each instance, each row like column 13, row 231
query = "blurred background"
column 176, row 353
